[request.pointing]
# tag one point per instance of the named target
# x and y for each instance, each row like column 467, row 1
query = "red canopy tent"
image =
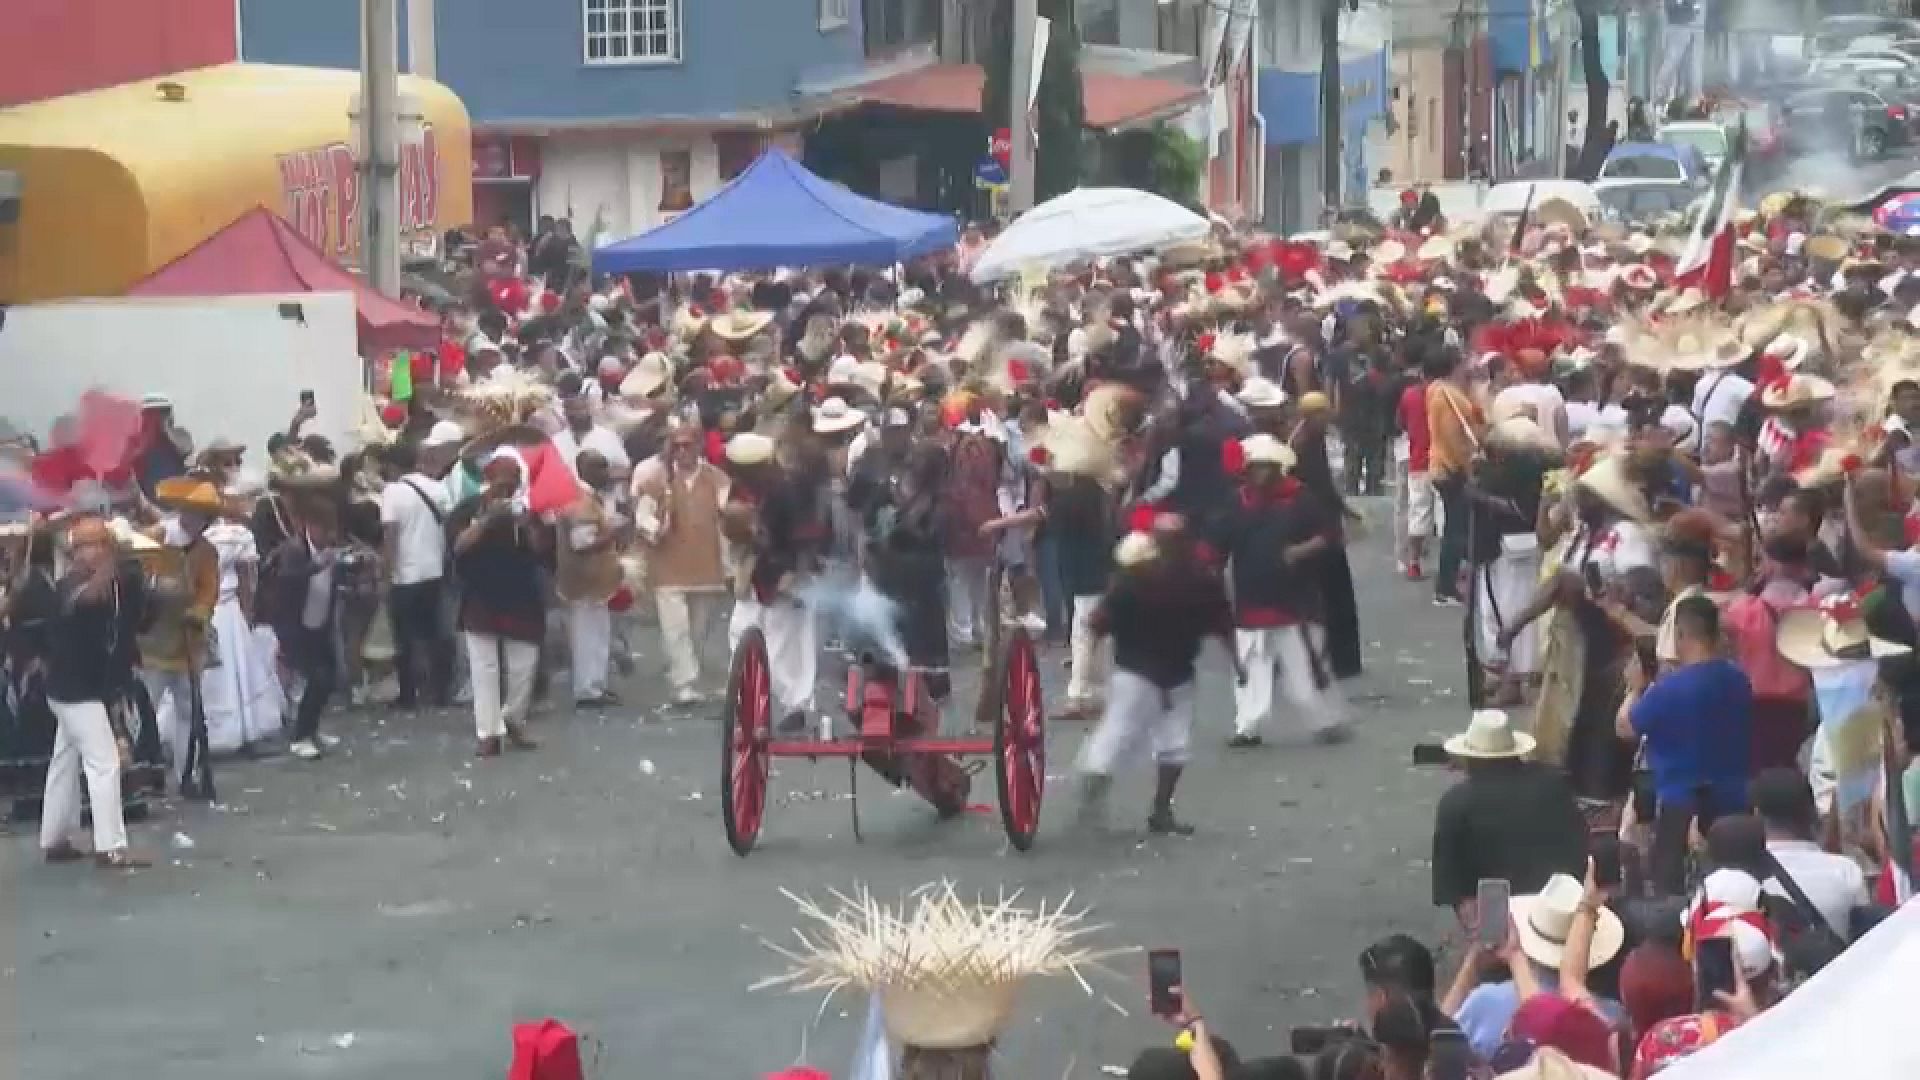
column 260, row 253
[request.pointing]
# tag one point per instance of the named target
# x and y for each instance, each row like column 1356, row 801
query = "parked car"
column 1656, row 161
column 1854, row 120
column 1639, row 202
column 1766, row 134
column 1835, row 32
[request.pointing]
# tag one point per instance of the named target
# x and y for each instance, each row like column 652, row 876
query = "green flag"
column 401, row 378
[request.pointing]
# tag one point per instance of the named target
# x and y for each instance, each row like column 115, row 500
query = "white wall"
column 617, row 176
column 232, row 365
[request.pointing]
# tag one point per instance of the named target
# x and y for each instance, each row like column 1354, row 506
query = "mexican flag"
column 1707, row 261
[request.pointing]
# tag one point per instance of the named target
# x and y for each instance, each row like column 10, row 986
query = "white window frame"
column 631, row 11
column 835, row 14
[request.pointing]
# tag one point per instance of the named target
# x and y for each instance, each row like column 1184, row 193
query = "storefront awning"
column 1112, row 101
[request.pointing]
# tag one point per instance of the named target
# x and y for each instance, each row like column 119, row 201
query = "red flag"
column 105, row 429
column 1707, row 262
column 550, row 484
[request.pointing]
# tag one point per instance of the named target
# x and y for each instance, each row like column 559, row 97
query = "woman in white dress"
column 241, row 692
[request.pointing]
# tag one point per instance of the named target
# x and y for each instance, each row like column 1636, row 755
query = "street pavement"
column 393, row 909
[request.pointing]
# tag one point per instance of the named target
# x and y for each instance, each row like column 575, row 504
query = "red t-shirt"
column 1413, row 421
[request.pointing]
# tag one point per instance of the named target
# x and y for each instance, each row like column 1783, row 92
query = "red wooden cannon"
column 892, row 718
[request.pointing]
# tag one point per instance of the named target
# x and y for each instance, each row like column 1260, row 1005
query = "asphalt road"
column 392, row 910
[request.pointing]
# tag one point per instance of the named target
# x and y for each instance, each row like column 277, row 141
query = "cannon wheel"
column 747, row 728
column 1020, row 741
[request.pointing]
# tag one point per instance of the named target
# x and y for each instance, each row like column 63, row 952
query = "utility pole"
column 1021, row 155
column 379, row 126
column 1332, row 161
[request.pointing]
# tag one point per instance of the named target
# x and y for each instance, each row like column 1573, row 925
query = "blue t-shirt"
column 1697, row 722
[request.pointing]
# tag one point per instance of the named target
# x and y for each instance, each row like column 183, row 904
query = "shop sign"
column 321, row 189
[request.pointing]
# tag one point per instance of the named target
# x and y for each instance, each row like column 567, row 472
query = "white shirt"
column 1581, row 416
column 598, row 439
column 420, row 541
column 1549, row 408
column 1834, row 883
column 1717, row 399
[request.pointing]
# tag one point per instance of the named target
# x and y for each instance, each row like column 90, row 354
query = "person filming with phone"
column 1695, row 721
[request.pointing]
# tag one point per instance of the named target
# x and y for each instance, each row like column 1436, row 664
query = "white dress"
column 241, row 694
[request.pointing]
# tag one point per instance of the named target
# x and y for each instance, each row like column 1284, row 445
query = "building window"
column 632, row 31
column 1099, row 22
column 893, row 25
column 736, row 151
column 833, row 14
column 676, row 181
column 1179, row 27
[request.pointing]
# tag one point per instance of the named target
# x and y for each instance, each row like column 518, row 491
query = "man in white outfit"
column 589, row 575
column 677, row 501
column 773, row 522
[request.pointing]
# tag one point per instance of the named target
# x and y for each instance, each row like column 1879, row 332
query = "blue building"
column 1288, row 91
column 618, row 114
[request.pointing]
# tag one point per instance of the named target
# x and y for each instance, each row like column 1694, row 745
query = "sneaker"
column 1165, row 824
column 1242, row 742
column 1445, row 600
column 304, row 749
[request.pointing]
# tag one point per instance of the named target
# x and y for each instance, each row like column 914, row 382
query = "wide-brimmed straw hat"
column 834, row 415
column 1608, row 481
column 653, row 373
column 738, row 325
column 1796, row 391
column 1136, row 548
column 1544, row 918
column 1489, row 737
column 1072, row 448
column 1266, row 450
column 1522, row 433
column 1832, row 634
column 130, row 539
column 189, row 496
column 749, row 448
column 1259, row 392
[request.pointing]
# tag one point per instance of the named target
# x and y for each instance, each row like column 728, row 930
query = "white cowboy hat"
column 444, row 433
column 1796, row 391
column 649, row 375
column 1830, row 635
column 1259, row 392
column 749, row 448
column 737, row 325
column 1135, row 548
column 1266, row 450
column 1607, row 480
column 1544, row 918
column 1790, row 349
column 834, row 415
column 1489, row 736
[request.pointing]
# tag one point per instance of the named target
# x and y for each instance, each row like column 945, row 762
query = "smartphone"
column 306, row 398
column 1448, row 1055
column 1493, row 901
column 1163, row 982
column 1713, row 968
column 1606, row 861
column 1426, row 753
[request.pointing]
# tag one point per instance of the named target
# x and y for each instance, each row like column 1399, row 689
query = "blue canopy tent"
column 776, row 213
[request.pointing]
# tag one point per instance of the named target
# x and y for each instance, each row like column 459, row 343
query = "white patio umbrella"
column 1087, row 223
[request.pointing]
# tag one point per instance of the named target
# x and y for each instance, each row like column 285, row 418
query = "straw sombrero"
column 740, row 325
column 1542, row 922
column 1259, row 392
column 1264, row 449
column 1830, row 635
column 1796, row 391
column 1607, row 481
column 1489, row 737
column 834, row 416
column 653, row 373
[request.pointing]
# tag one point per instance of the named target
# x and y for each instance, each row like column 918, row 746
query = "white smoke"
column 849, row 607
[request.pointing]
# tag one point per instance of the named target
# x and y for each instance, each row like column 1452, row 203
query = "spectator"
column 588, row 576
column 1833, row 883
column 1695, row 723
column 306, row 616
column 582, row 433
column 1399, row 966
column 413, row 512
column 678, row 497
column 1672, row 1039
column 1508, row 819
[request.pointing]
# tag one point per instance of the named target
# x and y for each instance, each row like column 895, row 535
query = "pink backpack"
column 1750, row 623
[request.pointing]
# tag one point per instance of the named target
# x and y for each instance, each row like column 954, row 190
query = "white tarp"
column 1846, row 1023
column 234, row 366
column 1087, row 223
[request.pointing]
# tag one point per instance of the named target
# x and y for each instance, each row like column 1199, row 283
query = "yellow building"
column 112, row 184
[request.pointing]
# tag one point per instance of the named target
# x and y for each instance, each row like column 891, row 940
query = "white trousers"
column 1413, row 503
column 686, row 618
column 968, row 605
column 171, row 693
column 793, row 650
column 1087, row 650
column 493, row 711
column 1506, row 587
column 83, row 743
column 590, row 641
column 1139, row 717
column 1278, row 658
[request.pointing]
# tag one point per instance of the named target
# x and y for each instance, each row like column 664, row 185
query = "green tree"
column 1060, row 114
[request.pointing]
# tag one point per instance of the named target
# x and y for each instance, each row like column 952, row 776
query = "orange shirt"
column 1455, row 423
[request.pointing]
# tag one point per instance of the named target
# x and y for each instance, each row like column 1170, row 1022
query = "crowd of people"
column 1674, row 512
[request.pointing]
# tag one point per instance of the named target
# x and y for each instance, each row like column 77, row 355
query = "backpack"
column 1751, row 623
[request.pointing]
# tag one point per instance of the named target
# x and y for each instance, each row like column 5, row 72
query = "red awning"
column 260, row 253
column 1111, row 100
